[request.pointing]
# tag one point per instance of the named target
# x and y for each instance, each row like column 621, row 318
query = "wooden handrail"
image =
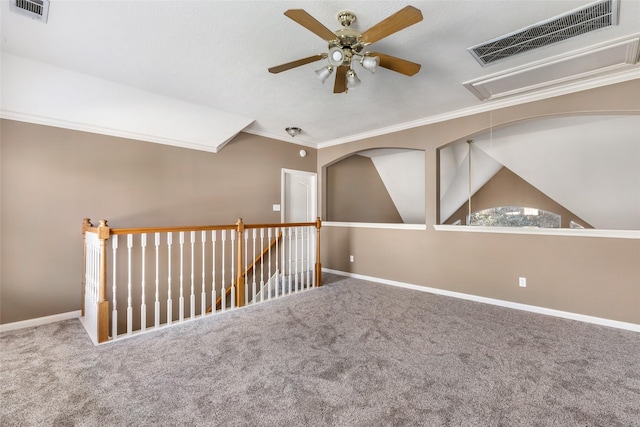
column 142, row 230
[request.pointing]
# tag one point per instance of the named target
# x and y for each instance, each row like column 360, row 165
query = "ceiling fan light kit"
column 345, row 47
column 324, row 73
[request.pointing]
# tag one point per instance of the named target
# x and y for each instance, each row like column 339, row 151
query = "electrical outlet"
column 522, row 281
column 351, row 258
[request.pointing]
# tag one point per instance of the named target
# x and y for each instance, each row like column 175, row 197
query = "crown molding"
column 491, row 105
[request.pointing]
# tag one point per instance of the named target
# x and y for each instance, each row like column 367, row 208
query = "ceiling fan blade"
column 341, row 79
column 311, row 24
column 400, row 20
column 398, row 65
column 294, row 64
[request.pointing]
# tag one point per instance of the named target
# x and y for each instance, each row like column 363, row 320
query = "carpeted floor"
column 352, row 353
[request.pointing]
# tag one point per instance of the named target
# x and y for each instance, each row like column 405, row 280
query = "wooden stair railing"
column 95, row 267
column 248, row 269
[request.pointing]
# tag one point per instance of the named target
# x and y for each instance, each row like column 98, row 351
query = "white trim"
column 528, row 77
column 102, row 130
column 583, row 232
column 490, row 106
column 508, row 304
column 40, row 321
column 389, row 226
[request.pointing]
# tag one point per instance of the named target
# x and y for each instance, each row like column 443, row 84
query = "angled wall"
column 356, row 193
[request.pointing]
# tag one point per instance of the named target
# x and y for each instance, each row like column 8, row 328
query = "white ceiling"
column 215, row 55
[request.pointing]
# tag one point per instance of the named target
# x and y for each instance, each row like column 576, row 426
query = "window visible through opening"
column 515, row 216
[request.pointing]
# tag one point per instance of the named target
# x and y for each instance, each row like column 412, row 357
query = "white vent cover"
column 34, row 9
column 594, row 16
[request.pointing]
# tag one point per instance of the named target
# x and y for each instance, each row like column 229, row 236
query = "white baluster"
column 143, row 305
column 233, row 276
column 262, row 262
column 169, row 300
column 308, row 239
column 269, row 236
column 203, row 294
column 156, row 320
column 296, row 260
column 192, row 300
column 246, row 264
column 181, row 299
column 114, row 314
column 253, row 256
column 213, row 272
column 277, row 233
column 262, row 290
column 223, row 291
column 312, row 259
column 290, row 257
column 129, row 307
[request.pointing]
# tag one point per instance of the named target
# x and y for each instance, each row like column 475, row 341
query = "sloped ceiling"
column 588, row 164
column 212, row 57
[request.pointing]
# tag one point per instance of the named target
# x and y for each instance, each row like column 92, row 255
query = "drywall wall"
column 591, row 276
column 356, row 193
column 52, row 178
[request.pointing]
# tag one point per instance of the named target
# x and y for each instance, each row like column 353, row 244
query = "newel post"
column 103, row 303
column 239, row 275
column 318, row 264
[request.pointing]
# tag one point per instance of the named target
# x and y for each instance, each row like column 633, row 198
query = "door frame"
column 314, row 186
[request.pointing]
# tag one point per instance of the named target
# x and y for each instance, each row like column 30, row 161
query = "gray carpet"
column 352, row 353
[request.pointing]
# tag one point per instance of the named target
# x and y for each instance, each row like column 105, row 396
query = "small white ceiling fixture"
column 293, row 131
column 346, row 46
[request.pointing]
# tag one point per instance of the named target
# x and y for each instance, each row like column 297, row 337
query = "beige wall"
column 592, row 276
column 506, row 188
column 52, row 178
column 356, row 193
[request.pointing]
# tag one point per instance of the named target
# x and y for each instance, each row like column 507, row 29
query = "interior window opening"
column 515, row 216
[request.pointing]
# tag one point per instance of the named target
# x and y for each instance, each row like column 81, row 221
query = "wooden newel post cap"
column 103, row 230
column 240, row 225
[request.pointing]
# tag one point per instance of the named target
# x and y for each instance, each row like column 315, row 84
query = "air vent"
column 34, row 9
column 594, row 16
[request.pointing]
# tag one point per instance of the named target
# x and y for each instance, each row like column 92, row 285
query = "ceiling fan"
column 346, row 46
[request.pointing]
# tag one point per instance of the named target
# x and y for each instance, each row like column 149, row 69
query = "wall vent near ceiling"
column 594, row 16
column 34, row 9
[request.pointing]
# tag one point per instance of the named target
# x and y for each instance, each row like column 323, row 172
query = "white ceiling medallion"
column 601, row 60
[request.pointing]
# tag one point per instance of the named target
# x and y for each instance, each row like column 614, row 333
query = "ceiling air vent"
column 34, row 9
column 600, row 14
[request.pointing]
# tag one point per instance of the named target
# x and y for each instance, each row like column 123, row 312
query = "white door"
column 299, row 204
column 298, row 196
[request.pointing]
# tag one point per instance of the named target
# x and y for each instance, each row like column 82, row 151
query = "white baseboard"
column 40, row 321
column 525, row 307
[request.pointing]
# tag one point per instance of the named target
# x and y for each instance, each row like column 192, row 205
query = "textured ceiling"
column 216, row 54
